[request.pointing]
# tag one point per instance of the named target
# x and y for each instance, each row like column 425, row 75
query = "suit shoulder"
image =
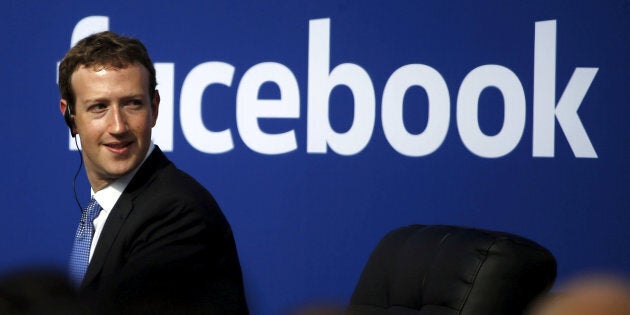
column 171, row 192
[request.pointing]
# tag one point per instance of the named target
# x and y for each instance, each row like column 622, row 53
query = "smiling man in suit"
column 152, row 238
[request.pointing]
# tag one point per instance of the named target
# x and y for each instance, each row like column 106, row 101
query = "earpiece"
column 69, row 120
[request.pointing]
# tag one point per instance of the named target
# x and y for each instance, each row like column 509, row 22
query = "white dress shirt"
column 107, row 198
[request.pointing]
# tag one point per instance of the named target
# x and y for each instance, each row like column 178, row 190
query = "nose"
column 118, row 123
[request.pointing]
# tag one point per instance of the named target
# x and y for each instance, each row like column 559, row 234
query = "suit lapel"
column 121, row 211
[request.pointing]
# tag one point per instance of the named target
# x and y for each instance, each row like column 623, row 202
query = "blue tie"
column 80, row 256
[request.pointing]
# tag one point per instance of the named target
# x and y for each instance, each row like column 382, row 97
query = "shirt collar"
column 108, row 196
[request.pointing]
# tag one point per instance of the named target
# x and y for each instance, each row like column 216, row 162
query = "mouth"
column 119, row 147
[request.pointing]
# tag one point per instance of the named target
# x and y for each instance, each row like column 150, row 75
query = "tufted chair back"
column 449, row 270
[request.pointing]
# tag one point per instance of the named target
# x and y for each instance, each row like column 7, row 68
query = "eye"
column 136, row 102
column 98, row 107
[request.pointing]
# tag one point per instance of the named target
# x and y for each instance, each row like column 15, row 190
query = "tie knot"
column 92, row 210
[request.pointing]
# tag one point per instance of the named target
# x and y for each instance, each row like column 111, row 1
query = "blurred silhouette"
column 588, row 295
column 34, row 292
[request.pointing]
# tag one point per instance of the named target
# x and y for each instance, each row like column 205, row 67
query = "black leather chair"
column 449, row 270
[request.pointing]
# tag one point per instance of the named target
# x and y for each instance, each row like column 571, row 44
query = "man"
column 159, row 242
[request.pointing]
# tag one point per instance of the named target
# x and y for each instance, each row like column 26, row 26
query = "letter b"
column 321, row 83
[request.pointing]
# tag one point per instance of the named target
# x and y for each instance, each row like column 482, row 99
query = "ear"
column 155, row 106
column 67, row 116
column 63, row 105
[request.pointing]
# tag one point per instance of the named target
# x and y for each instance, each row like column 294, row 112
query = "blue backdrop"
column 468, row 135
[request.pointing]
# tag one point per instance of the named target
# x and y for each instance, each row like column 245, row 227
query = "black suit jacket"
column 165, row 247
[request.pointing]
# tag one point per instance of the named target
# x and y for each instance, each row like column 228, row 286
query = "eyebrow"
column 105, row 99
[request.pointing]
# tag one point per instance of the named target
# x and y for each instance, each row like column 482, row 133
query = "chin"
column 122, row 170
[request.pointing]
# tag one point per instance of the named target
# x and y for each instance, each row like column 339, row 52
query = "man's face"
column 113, row 117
